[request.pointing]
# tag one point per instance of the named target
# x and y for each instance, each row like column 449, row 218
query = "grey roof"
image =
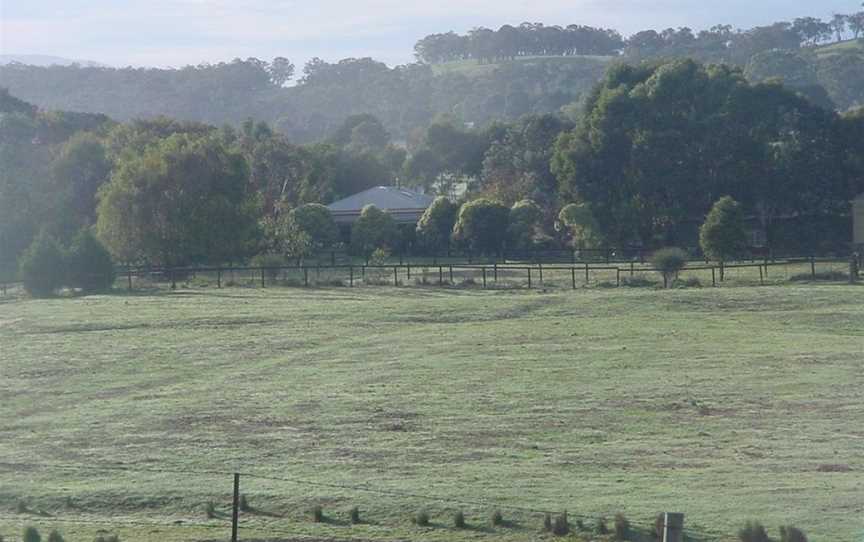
column 386, row 198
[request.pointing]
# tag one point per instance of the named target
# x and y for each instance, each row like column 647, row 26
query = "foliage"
column 600, row 527
column 436, row 225
column 182, row 201
column 372, row 230
column 496, row 519
column 90, row 265
column 547, row 522
column 792, row 534
column 753, row 531
column 55, row 536
column 524, row 224
column 459, row 520
column 270, row 263
column 669, row 261
column 315, row 221
column 421, row 519
column 31, row 534
column 561, row 525
column 581, row 226
column 722, row 236
column 482, row 225
column 41, row 267
column 354, row 515
column 622, row 527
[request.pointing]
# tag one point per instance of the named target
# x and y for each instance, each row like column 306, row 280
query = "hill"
column 475, row 68
column 727, row 404
column 48, row 60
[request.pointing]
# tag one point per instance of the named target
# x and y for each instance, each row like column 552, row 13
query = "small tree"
column 90, row 264
column 580, row 225
column 374, row 229
column 723, row 236
column 436, row 225
column 792, row 534
column 669, row 261
column 315, row 221
column 524, row 223
column 41, row 267
column 31, row 535
column 753, row 531
column 482, row 225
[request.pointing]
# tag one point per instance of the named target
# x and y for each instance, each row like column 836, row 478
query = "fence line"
column 257, row 525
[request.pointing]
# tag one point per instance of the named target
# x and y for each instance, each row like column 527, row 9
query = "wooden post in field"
column 573, row 276
column 761, row 277
column 128, row 280
column 262, row 278
column 395, row 276
column 529, row 278
column 713, row 276
column 173, row 279
column 813, row 267
column 617, row 276
column 673, row 527
column 351, row 275
column 235, row 509
column 306, row 277
column 484, row 277
column 540, row 267
column 219, row 278
column 451, row 275
column 409, row 270
column 586, row 274
column 631, row 268
column 495, row 271
column 440, row 276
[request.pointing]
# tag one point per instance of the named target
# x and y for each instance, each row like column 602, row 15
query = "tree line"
column 653, row 147
column 719, row 43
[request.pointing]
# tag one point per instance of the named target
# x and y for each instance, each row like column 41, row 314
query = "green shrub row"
column 47, row 266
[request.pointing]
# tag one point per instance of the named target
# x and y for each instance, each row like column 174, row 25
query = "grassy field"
column 726, row 404
column 834, row 48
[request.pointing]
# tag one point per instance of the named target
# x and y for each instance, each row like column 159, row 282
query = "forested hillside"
column 478, row 77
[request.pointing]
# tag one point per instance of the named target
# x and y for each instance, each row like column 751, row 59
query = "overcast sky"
column 180, row 32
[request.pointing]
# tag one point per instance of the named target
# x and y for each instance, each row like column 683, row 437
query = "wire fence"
column 264, row 511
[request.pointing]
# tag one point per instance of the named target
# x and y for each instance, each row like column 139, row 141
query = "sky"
column 164, row 33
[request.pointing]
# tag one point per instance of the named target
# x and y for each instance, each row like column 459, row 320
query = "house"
column 405, row 206
column 858, row 221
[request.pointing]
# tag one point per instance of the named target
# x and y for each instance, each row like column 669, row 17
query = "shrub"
column 244, row 504
column 55, row 536
column 41, row 267
column 315, row 221
column 792, row 534
column 90, row 265
column 669, row 261
column 270, row 263
column 210, row 510
column 723, row 236
column 547, row 523
column 436, row 224
column 317, row 514
column 580, row 525
column 21, row 507
column 580, row 223
column 496, row 518
column 524, row 224
column 753, row 531
column 422, row 518
column 622, row 527
column 31, row 535
column 561, row 526
column 482, row 225
column 600, row 527
column 459, row 520
column 373, row 229
column 691, row 282
column 638, row 282
column 354, row 515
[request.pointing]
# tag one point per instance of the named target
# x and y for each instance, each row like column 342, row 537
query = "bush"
column 41, row 267
column 422, row 518
column 496, row 518
column 600, row 527
column 315, row 221
column 580, row 223
column 317, row 514
column 561, row 526
column 244, row 504
column 691, row 282
column 669, row 261
column 21, row 507
column 373, row 229
column 90, row 265
column 210, row 510
column 436, row 225
column 753, row 531
column 547, row 523
column 271, row 263
column 723, row 236
column 55, row 536
column 482, row 225
column 524, row 224
column 622, row 527
column 31, row 535
column 459, row 520
column 791, row 534
column 354, row 516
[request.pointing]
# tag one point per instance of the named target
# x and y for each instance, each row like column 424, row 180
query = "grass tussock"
column 496, row 519
column 459, row 520
column 421, row 518
column 753, row 531
column 354, row 515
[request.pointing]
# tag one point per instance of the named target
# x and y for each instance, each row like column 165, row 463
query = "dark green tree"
column 436, row 225
column 42, row 266
column 315, row 221
column 723, row 235
column 372, row 230
column 524, row 224
column 89, row 262
column 482, row 225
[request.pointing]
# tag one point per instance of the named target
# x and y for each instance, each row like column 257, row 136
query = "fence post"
column 618, row 276
column 529, row 278
column 495, row 271
column 813, row 267
column 761, row 278
column 409, row 270
column 540, row 266
column 351, row 275
column 573, row 276
column 587, row 278
column 305, row 277
column 235, row 509
column 713, row 276
column 262, row 278
column 173, row 279
column 395, row 276
column 451, row 275
column 440, row 276
column 484, row 278
column 673, row 527
column 128, row 280
column 631, row 268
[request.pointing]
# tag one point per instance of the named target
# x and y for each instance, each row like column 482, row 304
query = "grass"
column 727, row 404
column 835, row 48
